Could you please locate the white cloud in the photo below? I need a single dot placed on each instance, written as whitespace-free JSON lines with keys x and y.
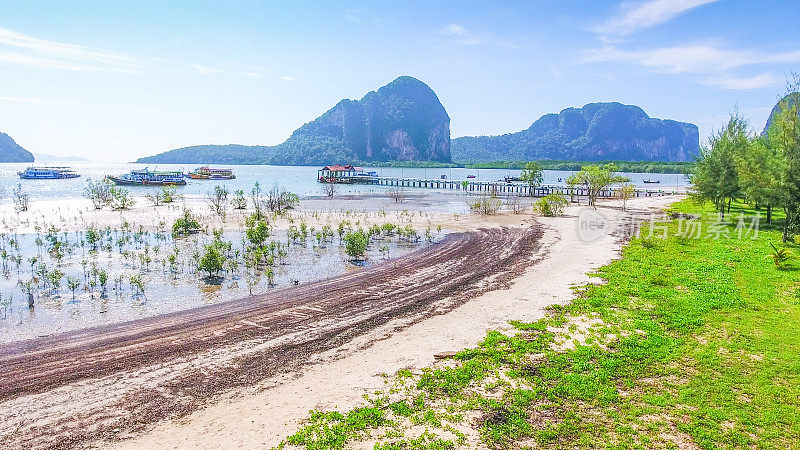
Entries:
{"x":633,"y":17}
{"x":764,"y":80}
{"x":44,"y":54}
{"x":692,"y":58}
{"x":454,"y":29}
{"x":27,"y":51}
{"x":456,"y":34}
{"x":716,"y":63}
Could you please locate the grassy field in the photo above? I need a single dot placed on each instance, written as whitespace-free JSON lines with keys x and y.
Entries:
{"x":692,"y":342}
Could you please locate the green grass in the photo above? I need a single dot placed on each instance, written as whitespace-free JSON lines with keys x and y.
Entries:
{"x":697,"y":342}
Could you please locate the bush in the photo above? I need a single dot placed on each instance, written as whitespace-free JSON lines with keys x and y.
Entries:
{"x":21,"y":199}
{"x":356,"y":244}
{"x":239,"y":201}
{"x":213,"y":259}
{"x":257,"y":231}
{"x":168,"y":194}
{"x":99,"y":192}
{"x":278,"y":200}
{"x":121,"y":199}
{"x":186,"y":224}
{"x":218,"y":200}
{"x":486,"y":205}
{"x":552,"y":205}
{"x":165,"y":195}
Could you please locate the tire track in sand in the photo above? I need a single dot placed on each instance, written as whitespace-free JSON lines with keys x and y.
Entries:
{"x":67,"y":390}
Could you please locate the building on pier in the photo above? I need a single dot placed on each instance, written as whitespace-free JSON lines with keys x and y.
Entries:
{"x":336,"y":173}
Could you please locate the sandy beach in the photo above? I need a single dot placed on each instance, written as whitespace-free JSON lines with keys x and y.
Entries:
{"x":244,"y":373}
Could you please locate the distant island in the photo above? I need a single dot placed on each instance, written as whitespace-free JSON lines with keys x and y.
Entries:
{"x":405,"y":124}
{"x":10,"y":151}
{"x":595,"y":132}
{"x":402,"y":121}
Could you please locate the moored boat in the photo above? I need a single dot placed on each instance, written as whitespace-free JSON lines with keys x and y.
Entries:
{"x":651,"y":181}
{"x":146,"y":177}
{"x":208,"y":173}
{"x":48,"y":173}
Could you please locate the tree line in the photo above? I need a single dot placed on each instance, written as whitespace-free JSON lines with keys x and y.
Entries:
{"x":761,"y":170}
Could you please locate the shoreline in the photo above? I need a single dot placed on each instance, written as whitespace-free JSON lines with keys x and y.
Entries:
{"x":263,"y":415}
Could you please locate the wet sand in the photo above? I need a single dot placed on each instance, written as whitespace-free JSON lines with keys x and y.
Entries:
{"x":72,"y":388}
{"x":244,"y":373}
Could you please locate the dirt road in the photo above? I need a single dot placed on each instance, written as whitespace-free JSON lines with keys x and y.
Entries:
{"x":69,"y":390}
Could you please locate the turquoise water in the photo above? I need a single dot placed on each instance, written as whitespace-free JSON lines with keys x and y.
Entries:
{"x":298,"y":179}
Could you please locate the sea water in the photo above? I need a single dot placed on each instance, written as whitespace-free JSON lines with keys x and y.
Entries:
{"x":301,"y":180}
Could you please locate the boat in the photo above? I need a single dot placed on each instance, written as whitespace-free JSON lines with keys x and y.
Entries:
{"x":48,"y":173}
{"x":651,"y":181}
{"x":470,"y":176}
{"x":207,"y":173}
{"x":146,"y":177}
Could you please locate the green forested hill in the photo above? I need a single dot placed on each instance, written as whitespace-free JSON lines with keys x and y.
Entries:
{"x":597,"y":131}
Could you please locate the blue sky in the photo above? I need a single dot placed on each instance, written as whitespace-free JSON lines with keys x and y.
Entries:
{"x":116,"y":80}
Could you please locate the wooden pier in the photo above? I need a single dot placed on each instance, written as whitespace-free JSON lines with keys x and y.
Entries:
{"x":498,"y":187}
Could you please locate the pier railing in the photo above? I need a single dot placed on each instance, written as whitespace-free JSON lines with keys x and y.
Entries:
{"x":500,"y":187}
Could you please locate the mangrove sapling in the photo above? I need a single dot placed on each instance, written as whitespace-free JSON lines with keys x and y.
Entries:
{"x":5,"y":303}
{"x":218,"y":200}
{"x":155,"y":198}
{"x":21,"y":199}
{"x":397,"y":194}
{"x":329,"y":189}
{"x":121,"y":199}
{"x":99,"y":192}
{"x":485,"y":205}
{"x":258,"y":201}
{"x":515,"y":205}
{"x":320,"y":239}
{"x":73,"y":284}
{"x":257,"y":231}
{"x":54,"y":278}
{"x":280,"y":200}
{"x":214,"y":255}
{"x":168,"y":194}
{"x":303,"y":231}
{"x":239,"y":201}
{"x":118,"y":280}
{"x":137,"y":285}
{"x":388,"y":228}
{"x":356,"y":244}
{"x":186,"y":224}
{"x":102,"y":278}
{"x":28,"y":288}
{"x":551,"y":205}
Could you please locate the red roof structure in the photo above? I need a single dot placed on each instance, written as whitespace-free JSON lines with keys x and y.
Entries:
{"x":338,"y":168}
